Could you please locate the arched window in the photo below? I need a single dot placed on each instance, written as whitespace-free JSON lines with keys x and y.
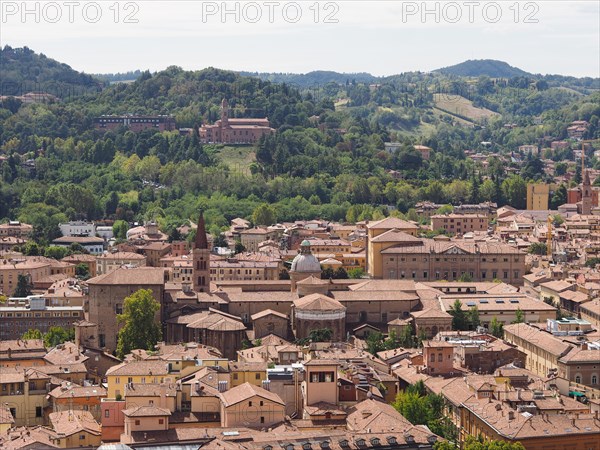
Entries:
{"x":578,"y":379}
{"x":594,"y":379}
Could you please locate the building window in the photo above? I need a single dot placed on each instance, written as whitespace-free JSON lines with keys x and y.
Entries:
{"x":257,"y":376}
{"x":235,"y":376}
{"x":249,"y":403}
{"x":106,"y":413}
{"x":440,"y":357}
{"x":38,"y":411}
{"x":161,"y":421}
{"x":321,"y":377}
{"x":594,"y":379}
{"x":137,"y":422}
{"x":578,"y":379}
{"x":82,"y":437}
{"x":262,"y":419}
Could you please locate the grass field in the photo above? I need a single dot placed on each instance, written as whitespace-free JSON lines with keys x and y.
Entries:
{"x":238,"y":157}
{"x":455,"y":104}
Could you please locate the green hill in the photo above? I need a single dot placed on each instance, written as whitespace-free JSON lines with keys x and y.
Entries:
{"x":22,"y":70}
{"x":478,"y":67}
{"x":312,"y":79}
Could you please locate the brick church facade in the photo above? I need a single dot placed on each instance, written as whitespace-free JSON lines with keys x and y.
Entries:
{"x":234,"y":131}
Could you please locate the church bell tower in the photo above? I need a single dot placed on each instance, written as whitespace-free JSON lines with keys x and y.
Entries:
{"x":201,"y":259}
{"x":224,"y":113}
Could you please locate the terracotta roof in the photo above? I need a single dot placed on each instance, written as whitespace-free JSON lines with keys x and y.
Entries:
{"x":247,"y":366}
{"x":468,"y":247}
{"x":70,"y":390}
{"x":217,"y":321}
{"x":74,"y":421}
{"x":273,"y":339}
{"x":66,"y":353}
{"x":52,"y":369}
{"x":150,"y":389}
{"x":312,"y":280}
{"x":246,"y":391}
{"x":321,"y":362}
{"x":18,"y":345}
{"x":135,"y":276}
{"x":591,"y":306}
{"x":146,"y":411}
{"x":5,"y":416}
{"x":121,"y":255}
{"x":537,"y":337}
{"x":145,"y":367}
{"x":80,"y":257}
{"x":12,"y":374}
{"x":364,"y":295}
{"x":521,"y":426}
{"x":318,"y":302}
{"x":384,"y":285}
{"x":79,"y":239}
{"x":558,"y":286}
{"x":322,"y":408}
{"x":395,"y":235}
{"x":376,"y":416}
{"x":430,"y":313}
{"x":268,"y":312}
{"x":251,"y":231}
{"x":190,"y":350}
{"x":28,"y":437}
{"x":495,"y":302}
{"x":391,"y":222}
{"x":579,"y":355}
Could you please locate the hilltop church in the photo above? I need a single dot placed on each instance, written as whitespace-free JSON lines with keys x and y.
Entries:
{"x":234,"y":131}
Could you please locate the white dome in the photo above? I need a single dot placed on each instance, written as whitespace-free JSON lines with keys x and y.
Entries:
{"x":306,"y":263}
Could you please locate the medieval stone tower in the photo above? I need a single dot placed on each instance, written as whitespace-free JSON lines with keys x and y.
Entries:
{"x":201,"y":259}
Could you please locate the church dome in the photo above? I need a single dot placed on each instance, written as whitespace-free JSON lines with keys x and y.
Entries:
{"x":305,"y":261}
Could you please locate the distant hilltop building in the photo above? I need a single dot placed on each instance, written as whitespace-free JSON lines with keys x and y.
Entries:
{"x":577,"y":129}
{"x":135,"y":123}
{"x":392,"y":147}
{"x":32,"y":97}
{"x":234,"y":131}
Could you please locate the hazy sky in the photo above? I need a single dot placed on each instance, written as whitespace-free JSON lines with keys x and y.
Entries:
{"x":380,"y":37}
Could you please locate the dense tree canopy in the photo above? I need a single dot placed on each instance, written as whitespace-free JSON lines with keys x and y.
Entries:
{"x":139,"y":327}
